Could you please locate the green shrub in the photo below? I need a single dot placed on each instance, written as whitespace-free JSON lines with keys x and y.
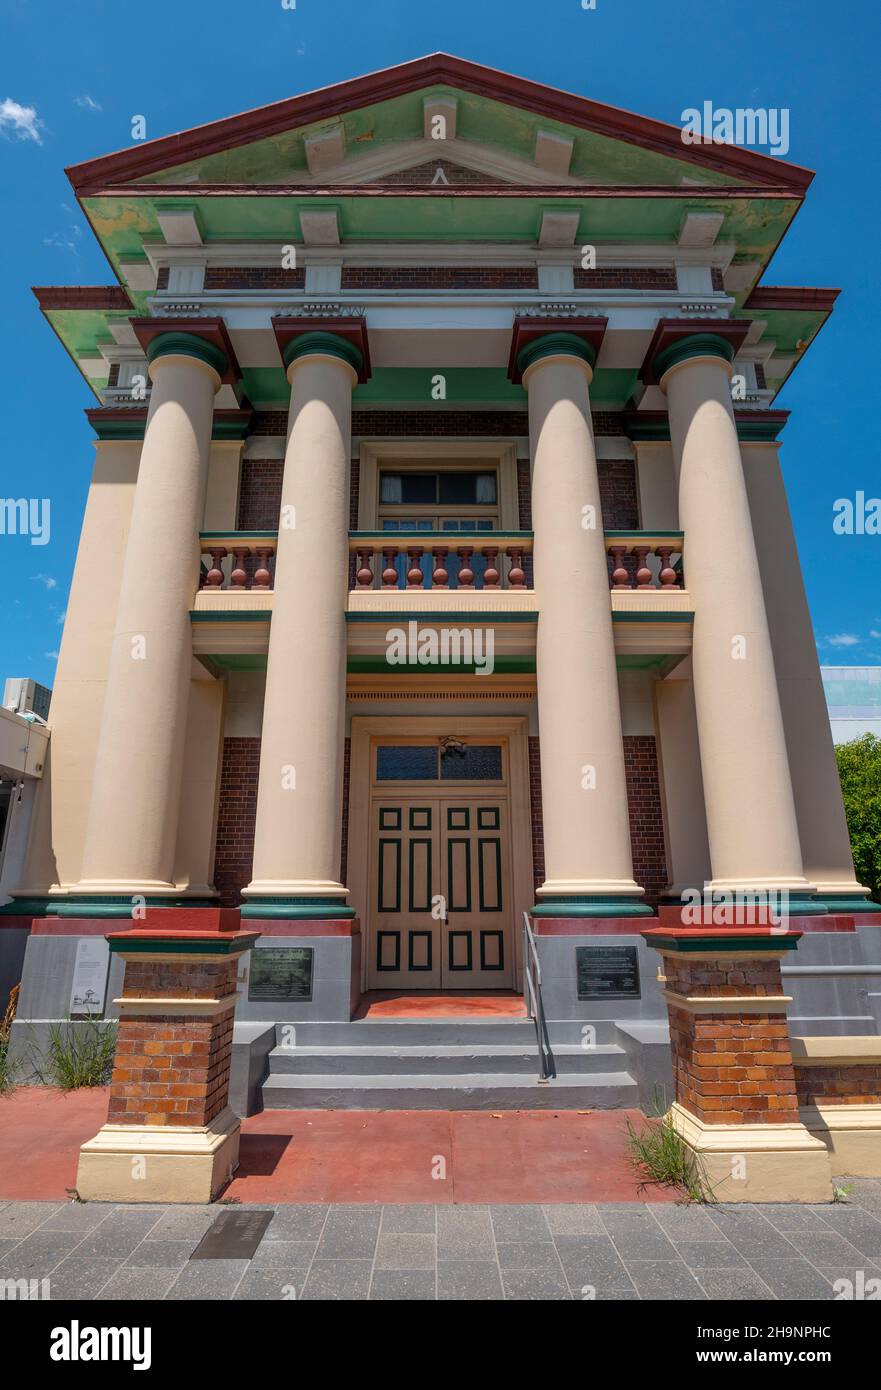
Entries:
{"x":79,"y":1053}
{"x":859,"y":768}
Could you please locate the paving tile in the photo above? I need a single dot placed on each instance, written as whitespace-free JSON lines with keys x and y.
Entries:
{"x":575,"y":1219}
{"x":7,"y":1245}
{"x":857,"y":1226}
{"x":592,"y":1262}
{"x":640,"y":1242}
{"x":119,"y":1234}
{"x":78,"y":1216}
{"x":350,"y":1233}
{"x":792,"y":1216}
{"x":272,"y":1283}
{"x":519,"y":1223}
{"x":290,"y":1254}
{"x":406,"y":1252}
{"x":753,"y":1235}
{"x":730,"y":1285}
{"x":409,"y":1220}
{"x":471,"y":1281}
{"x":528,"y":1254}
{"x":826,"y":1248}
{"x":664,"y":1279}
{"x":173,"y":1254}
{"x":465,"y":1233}
{"x":866,"y":1193}
{"x":535,"y":1285}
{"x":403,"y":1286}
{"x":76,"y":1278}
{"x":208,"y":1279}
{"x":793,"y":1278}
{"x":857,"y":1281}
{"x":710,"y":1254}
{"x":38,"y":1254}
{"x":20,"y":1219}
{"x":681,"y":1222}
{"x":297,"y":1223}
{"x":134,"y":1283}
{"x":338,"y":1279}
{"x":183,"y":1223}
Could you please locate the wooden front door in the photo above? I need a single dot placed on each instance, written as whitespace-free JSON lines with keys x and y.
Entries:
{"x":440,"y":881}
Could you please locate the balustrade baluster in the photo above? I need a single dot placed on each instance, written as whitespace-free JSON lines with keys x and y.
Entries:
{"x":390,"y":574}
{"x":261,"y":573}
{"x":667,"y":575}
{"x":516,"y":576}
{"x":490,"y":574}
{"x":620,"y":576}
{"x":214,"y":577}
{"x":440,"y":578}
{"x":415,"y":576}
{"x":643,"y":573}
{"x":364,"y":575}
{"x":238,"y":578}
{"x":466,"y":573}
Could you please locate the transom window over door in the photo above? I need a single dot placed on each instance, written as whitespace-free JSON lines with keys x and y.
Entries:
{"x":453,"y":500}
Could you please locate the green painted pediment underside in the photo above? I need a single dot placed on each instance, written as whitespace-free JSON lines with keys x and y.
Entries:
{"x":495,"y":125}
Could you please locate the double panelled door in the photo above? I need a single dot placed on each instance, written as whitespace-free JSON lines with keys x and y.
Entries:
{"x":441,"y":908}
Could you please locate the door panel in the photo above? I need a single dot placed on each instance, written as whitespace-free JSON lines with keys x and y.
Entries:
{"x":405,"y":941}
{"x":477,"y":936}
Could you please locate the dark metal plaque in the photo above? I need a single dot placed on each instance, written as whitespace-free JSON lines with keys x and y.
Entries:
{"x":607,"y":972}
{"x":235,"y":1235}
{"x":281,"y":973}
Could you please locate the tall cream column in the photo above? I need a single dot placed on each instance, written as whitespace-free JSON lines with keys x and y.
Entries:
{"x":584,"y":797}
{"x":751,"y":821}
{"x":299,"y":798}
{"x":133,"y":815}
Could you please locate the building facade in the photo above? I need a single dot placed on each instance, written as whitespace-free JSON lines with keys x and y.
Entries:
{"x":437,"y":569}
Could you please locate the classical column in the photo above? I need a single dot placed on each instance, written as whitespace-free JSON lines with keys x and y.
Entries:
{"x":584,"y":798}
{"x":133,"y":815}
{"x":751,"y":820}
{"x":299,"y":799}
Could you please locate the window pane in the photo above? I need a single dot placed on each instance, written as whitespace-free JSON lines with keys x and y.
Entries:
{"x":390,"y":488}
{"x":407,"y":763}
{"x":486,"y":489}
{"x":457,"y":489}
{"x":476,"y":762}
{"x":419,"y":489}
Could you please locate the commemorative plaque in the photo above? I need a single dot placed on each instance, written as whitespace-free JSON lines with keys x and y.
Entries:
{"x":607,"y":972}
{"x":89,"y":986}
{"x":282,"y":973}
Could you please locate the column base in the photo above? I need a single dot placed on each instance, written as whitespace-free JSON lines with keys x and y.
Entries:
{"x":612,"y":905}
{"x":179,"y":1163}
{"x":286,"y":908}
{"x":849,"y":902}
{"x":782,"y":1162}
{"x":851,"y":1134}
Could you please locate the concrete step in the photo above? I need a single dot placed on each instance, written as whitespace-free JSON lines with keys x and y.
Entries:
{"x":441,"y":1059}
{"x":435,"y":1032}
{"x":462,"y":1091}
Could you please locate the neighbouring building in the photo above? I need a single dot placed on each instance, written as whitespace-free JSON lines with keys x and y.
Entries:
{"x":437,"y":569}
{"x":853,"y":697}
{"x":24,"y":742}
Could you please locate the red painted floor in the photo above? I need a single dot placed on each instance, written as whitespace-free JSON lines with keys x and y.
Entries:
{"x":451,"y":1004}
{"x":356,"y":1155}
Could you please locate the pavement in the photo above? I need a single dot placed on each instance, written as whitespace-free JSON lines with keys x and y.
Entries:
{"x":419,"y":1252}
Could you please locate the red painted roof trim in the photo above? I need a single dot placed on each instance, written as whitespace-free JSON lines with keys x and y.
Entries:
{"x":82,"y":297}
{"x":435,"y":68}
{"x":792,"y":297}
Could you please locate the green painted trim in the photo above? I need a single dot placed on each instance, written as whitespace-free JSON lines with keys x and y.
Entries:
{"x":555,"y":345}
{"x":119,"y":429}
{"x":248,"y":615}
{"x":589,"y":906}
{"x":434,"y":615}
{"x":239,"y":535}
{"x":744,"y":943}
{"x":380,"y":876}
{"x":299,"y":909}
{"x":495,"y":843}
{"x":758,"y":431}
{"x":188,"y":345}
{"x":148,"y":946}
{"x":695,"y":345}
{"x":452,"y":538}
{"x":230,"y":429}
{"x":330,"y":344}
{"x":637,"y":535}
{"x":684,"y":617}
{"x":839,"y":902}
{"x":113,"y":906}
{"x":806,"y":907}
{"x":411,"y":846}
{"x":451,"y":841}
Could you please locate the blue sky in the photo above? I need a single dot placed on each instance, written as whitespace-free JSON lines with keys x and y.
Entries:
{"x":85,"y":69}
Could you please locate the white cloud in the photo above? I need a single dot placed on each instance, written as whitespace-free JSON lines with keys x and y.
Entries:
{"x":874,"y":633}
{"x":47,"y":580}
{"x":88,"y":103}
{"x":51,"y":656}
{"x":20,"y":121}
{"x":844,"y":639}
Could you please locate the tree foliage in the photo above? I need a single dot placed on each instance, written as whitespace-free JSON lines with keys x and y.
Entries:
{"x":859,"y":767}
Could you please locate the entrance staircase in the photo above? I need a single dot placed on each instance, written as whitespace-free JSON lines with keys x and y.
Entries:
{"x":441,"y":1063}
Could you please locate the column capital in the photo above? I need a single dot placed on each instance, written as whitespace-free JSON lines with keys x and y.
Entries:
{"x":345,"y":338}
{"x":207,"y":340}
{"x":676,"y":340}
{"x":535,"y":337}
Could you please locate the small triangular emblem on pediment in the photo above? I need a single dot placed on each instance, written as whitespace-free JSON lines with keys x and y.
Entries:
{"x":437,"y":171}
{"x":440,"y":176}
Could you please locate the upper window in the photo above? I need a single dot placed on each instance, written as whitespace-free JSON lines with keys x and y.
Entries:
{"x":454,"y":489}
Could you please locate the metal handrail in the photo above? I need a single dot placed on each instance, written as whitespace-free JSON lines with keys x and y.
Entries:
{"x":547,"y":1067}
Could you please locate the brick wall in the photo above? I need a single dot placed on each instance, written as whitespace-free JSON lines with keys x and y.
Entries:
{"x":731,"y":1068}
{"x":405,"y":424}
{"x":618,"y":494}
{"x":538,"y":844}
{"x":236,"y":816}
{"x":253,"y":277}
{"x":646,"y":818}
{"x":260,"y":494}
{"x":425,"y":174}
{"x":850,"y":1084}
{"x":441,"y":277}
{"x":626,"y":278}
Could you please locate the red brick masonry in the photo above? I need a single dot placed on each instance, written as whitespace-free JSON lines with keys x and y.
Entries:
{"x":173,"y":1069}
{"x":731,"y":1068}
{"x":853,"y":1083}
